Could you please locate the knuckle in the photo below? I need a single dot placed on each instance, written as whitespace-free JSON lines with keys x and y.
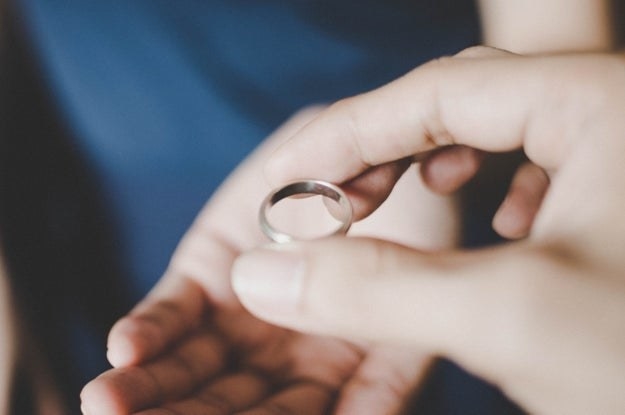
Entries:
{"x":439,"y":63}
{"x":574,"y":95}
{"x":350,"y":123}
{"x":159,"y":313}
{"x":308,"y":113}
{"x":477,"y":51}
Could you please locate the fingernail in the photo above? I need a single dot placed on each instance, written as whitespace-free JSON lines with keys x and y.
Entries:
{"x":269,"y":280}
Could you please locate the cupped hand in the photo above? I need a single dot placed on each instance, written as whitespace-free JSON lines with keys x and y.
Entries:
{"x":190,"y":348}
{"x":543,"y":317}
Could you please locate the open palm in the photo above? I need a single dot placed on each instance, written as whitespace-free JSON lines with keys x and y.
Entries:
{"x":190,"y":348}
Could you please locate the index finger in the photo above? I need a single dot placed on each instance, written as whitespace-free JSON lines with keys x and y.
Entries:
{"x":485,"y":103}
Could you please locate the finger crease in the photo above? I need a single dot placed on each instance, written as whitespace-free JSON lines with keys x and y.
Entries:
{"x":356,"y":137}
{"x":216,"y":401}
{"x":172,"y":411}
{"x":185,"y":365}
{"x":160,"y":391}
{"x":276,"y":408}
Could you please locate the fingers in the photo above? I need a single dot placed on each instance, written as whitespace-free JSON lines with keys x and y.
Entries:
{"x":369,"y":190}
{"x":383,"y":381}
{"x":248,"y":394}
{"x":463,"y":306}
{"x":446,"y":170}
{"x":174,"y":307}
{"x":306,"y":398}
{"x":224,"y":396}
{"x":475,"y":52}
{"x":516,"y":214}
{"x":447,"y":101}
{"x":129,"y":389}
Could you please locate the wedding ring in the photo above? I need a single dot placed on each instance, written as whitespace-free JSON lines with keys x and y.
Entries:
{"x":305,"y":187}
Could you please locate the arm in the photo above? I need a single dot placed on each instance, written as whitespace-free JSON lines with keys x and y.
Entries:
{"x":534,"y":26}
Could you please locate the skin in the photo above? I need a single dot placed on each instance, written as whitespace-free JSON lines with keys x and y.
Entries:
{"x":193,"y":317}
{"x":542,"y":317}
{"x":190,"y":346}
{"x":528,"y":26}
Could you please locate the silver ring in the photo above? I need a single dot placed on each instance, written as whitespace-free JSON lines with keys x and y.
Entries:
{"x":312,"y":187}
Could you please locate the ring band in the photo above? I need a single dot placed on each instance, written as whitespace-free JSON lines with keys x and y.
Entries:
{"x":313,"y":187}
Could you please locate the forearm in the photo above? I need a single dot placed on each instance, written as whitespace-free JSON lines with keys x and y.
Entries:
{"x":534,"y":26}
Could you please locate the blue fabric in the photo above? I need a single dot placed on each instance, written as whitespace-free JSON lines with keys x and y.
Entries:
{"x":165,"y":98}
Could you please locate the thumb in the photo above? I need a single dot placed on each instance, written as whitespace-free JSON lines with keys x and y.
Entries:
{"x":459,"y":305}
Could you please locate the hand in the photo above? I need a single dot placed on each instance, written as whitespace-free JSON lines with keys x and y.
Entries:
{"x":543,"y":318}
{"x":190,"y":347}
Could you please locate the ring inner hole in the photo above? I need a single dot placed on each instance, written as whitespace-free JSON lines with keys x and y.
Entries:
{"x":304,"y":215}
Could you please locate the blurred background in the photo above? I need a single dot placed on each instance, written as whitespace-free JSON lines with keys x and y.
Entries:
{"x":120,"y":118}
